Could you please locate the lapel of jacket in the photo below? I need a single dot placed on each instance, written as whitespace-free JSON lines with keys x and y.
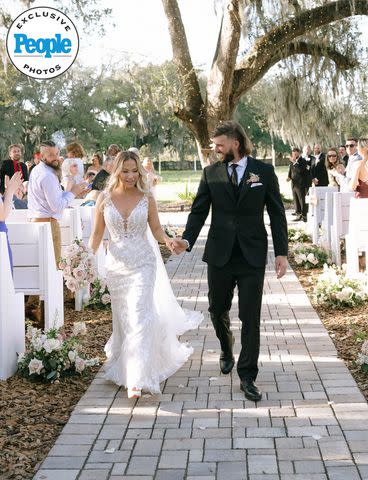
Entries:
{"x":251,"y":168}
{"x":224,"y":178}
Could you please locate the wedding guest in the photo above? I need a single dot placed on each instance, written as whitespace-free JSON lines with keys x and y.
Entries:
{"x":344,"y":179}
{"x":46,"y":200}
{"x":307,"y":155}
{"x":237,"y":190}
{"x":6,"y":205}
{"x":334,"y":167}
{"x":13,"y":165}
{"x":151,"y":176}
{"x":134,"y":150}
{"x":101,"y":178}
{"x":318,"y":167}
{"x":143,"y":349}
{"x":76,"y":152}
{"x":36,"y":160}
{"x":112,"y":151}
{"x":70,"y":173}
{"x":359,"y":182}
{"x":96,"y":163}
{"x":300,"y":179}
{"x":343,"y":156}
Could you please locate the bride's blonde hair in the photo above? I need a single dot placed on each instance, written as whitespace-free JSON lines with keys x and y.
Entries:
{"x":118,"y":165}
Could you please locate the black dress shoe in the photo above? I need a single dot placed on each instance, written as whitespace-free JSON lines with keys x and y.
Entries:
{"x":250,"y":390}
{"x":226,"y":363}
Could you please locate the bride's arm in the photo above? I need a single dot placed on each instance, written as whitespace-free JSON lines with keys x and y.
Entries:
{"x":155,"y":226}
{"x":98,"y":226}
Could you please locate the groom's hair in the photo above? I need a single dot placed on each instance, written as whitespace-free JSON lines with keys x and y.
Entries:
{"x":234,"y":130}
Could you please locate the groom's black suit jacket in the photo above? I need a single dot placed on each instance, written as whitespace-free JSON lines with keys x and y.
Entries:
{"x":238,"y":216}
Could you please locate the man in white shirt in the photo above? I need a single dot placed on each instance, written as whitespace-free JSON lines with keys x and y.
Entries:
{"x":345,"y":176}
{"x":46,"y":199}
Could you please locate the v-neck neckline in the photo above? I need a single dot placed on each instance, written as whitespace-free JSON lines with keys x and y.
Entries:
{"x":125,"y":219}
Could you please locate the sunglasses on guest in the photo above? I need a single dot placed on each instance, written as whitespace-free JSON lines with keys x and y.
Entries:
{"x":350,"y":145}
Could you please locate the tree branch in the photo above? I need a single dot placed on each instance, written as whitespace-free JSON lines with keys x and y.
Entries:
{"x":181,"y":56}
{"x":263,"y":55}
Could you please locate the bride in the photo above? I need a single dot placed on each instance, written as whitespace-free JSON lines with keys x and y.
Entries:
{"x":143,"y":349}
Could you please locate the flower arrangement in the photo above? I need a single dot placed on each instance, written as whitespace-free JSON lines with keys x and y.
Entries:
{"x":298,"y":235}
{"x":51,"y":355}
{"x":100,"y":296}
{"x":310,"y":256}
{"x":362,"y":359}
{"x":78,"y":266}
{"x":336,"y":290}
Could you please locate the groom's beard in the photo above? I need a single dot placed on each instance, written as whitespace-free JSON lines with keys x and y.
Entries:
{"x":228,"y":157}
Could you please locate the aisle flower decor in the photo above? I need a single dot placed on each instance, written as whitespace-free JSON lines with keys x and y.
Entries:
{"x":362,"y":359}
{"x":335,"y":289}
{"x":52,"y":355}
{"x":297,"y":235}
{"x":99,"y":295}
{"x":79,"y":270}
{"x":310,"y":256}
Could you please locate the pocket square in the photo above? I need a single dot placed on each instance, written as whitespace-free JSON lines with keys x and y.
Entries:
{"x":258,"y":184}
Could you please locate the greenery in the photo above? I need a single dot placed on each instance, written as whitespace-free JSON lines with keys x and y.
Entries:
{"x":335,"y":289}
{"x":298,"y":235}
{"x":310,"y":256}
{"x":51,"y":355}
{"x":188,"y":194}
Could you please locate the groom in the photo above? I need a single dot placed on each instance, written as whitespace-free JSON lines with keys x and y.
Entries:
{"x":237,"y":189}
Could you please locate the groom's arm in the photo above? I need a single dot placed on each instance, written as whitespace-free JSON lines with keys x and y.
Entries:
{"x":199,"y":212}
{"x":276,"y":212}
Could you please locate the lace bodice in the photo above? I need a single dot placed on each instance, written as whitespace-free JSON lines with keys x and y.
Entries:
{"x":132,"y":226}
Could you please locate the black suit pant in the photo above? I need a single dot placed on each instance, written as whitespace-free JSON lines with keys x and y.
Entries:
{"x":299,"y":194}
{"x":221,"y":283}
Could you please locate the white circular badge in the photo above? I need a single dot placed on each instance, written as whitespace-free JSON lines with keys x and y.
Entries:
{"x":42,"y":42}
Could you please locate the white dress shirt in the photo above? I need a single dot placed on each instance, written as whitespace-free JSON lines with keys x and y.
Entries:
{"x":344,"y":180}
{"x":242,"y":165}
{"x":45,"y":196}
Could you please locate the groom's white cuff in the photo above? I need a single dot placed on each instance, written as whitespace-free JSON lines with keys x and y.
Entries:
{"x":188,"y":244}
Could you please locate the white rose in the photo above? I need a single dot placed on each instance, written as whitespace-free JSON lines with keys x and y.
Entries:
{"x":72,"y":355}
{"x":35,"y":366}
{"x":347,"y":292}
{"x":303,"y":257}
{"x":310,"y":257}
{"x":79,"y":328}
{"x":105,"y":299}
{"x":80,"y":364}
{"x":298,"y":259}
{"x":51,"y":344}
{"x":71,"y":284}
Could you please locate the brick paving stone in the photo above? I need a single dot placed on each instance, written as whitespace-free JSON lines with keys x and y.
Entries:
{"x":312,"y":423}
{"x":142,"y":465}
{"x":56,"y":475}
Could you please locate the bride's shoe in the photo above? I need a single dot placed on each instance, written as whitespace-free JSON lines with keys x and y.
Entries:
{"x":134,"y":392}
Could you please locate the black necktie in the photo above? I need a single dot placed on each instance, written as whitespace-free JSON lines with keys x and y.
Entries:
{"x":234,"y":176}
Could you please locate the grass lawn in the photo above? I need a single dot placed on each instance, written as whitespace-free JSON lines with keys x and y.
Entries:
{"x":176,"y":181}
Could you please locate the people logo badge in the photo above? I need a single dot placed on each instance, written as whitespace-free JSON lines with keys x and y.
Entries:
{"x":42,"y":43}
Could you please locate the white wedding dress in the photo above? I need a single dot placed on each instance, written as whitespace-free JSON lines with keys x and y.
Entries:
{"x":143,"y":349}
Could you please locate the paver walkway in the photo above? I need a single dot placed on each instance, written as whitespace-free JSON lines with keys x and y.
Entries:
{"x":311,"y":425}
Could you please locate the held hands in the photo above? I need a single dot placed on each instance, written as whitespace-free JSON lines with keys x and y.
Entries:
{"x":79,"y":189}
{"x":280,"y":265}
{"x":179,"y":245}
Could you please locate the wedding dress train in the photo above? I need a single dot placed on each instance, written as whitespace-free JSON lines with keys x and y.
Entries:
{"x":143,"y":349}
